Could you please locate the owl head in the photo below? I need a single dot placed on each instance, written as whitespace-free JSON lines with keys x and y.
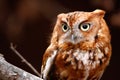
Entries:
{"x":78,"y":26}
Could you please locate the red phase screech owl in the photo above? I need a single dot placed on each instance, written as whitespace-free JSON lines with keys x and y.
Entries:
{"x":80,"y":47}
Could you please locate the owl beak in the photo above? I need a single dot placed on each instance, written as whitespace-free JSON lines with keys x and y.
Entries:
{"x":73,"y":38}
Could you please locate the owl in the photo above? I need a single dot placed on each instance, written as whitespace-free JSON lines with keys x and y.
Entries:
{"x":80,"y":47}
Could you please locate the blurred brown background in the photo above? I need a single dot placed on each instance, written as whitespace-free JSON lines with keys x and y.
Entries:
{"x":29,"y":23}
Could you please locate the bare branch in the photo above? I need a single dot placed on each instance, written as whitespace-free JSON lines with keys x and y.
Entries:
{"x":11,"y":72}
{"x":23,"y":59}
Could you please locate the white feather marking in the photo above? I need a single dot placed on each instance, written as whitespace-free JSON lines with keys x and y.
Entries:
{"x":82,"y":55}
{"x":86,"y":57}
{"x":49,"y":64}
{"x":100,"y":54}
{"x":106,"y":50}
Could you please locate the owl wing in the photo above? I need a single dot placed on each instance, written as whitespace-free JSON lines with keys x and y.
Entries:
{"x":97,"y":76}
{"x":48,"y":60}
{"x":100,"y":75}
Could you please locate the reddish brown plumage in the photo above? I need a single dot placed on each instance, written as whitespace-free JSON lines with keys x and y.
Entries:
{"x":77,"y":53}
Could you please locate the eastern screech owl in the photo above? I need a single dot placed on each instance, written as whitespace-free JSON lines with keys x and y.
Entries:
{"x":80,"y":47}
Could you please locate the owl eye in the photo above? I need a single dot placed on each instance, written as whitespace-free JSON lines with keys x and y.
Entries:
{"x":65,"y":27}
{"x":84,"y":26}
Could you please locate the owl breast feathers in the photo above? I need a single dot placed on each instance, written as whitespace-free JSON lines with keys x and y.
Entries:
{"x":80,"y":47}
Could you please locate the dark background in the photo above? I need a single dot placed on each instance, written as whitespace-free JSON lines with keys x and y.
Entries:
{"x":29,"y":23}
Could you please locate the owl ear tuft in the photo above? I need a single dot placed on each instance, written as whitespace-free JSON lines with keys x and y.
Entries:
{"x":60,"y":15}
{"x":99,"y":12}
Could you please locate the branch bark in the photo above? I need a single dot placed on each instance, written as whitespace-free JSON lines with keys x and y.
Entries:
{"x":11,"y":72}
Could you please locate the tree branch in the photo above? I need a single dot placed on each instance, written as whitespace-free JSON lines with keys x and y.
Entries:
{"x":11,"y":72}
{"x":23,"y":59}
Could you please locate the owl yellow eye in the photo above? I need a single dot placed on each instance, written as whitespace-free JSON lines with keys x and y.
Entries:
{"x":65,"y":27}
{"x":84,"y":26}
